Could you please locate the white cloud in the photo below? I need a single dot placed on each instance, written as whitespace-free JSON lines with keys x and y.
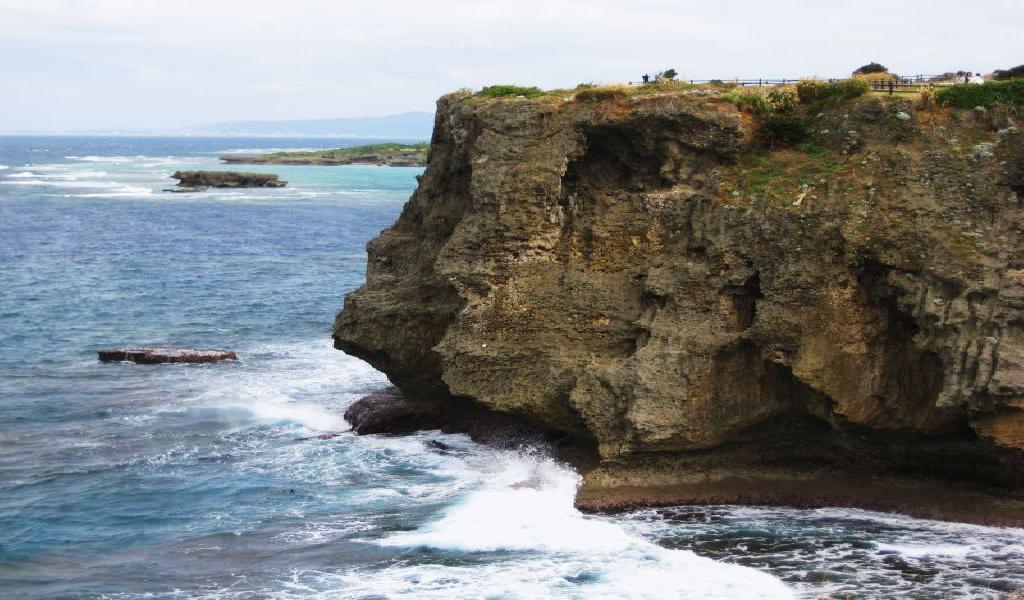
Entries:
{"x":148,"y":63}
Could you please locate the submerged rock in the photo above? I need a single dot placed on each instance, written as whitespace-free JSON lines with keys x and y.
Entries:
{"x":637,"y":271}
{"x":185,"y":189}
{"x":154,"y":356}
{"x":226,"y":179}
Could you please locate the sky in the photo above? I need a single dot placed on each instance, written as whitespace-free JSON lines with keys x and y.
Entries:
{"x":162,"y":64}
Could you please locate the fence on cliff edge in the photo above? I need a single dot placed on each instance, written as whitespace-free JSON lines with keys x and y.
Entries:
{"x":909,"y":83}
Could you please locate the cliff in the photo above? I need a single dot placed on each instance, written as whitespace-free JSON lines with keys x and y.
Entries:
{"x":837,"y":322}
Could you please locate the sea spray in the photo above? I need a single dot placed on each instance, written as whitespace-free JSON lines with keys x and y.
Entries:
{"x":522,"y":514}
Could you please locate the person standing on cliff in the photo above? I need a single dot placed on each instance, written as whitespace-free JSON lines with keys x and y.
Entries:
{"x":646,"y":78}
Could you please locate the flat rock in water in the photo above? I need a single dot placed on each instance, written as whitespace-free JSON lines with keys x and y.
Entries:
{"x":226,"y":179}
{"x":185,"y":190}
{"x":156,"y":356}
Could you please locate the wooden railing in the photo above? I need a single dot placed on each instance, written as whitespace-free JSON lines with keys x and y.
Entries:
{"x":911,"y":83}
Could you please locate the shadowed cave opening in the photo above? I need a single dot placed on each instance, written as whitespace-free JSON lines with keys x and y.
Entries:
{"x":647,"y":153}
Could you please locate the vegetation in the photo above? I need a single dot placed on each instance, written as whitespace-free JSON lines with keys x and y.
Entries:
{"x":782,"y":101}
{"x":871,"y":67}
{"x":780,"y":123}
{"x":506,"y":91}
{"x":749,"y":102}
{"x":783,"y":130}
{"x":1011,"y":73}
{"x":380,"y":154}
{"x":670,"y":74}
{"x":607,"y":92}
{"x":782,"y":176}
{"x":983,"y":94}
{"x":830,"y":93}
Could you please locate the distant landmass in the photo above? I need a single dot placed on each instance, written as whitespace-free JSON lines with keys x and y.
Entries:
{"x":391,"y":155}
{"x":407,"y":125}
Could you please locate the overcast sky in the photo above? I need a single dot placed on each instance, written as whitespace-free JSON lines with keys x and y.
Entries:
{"x":164,"y":64}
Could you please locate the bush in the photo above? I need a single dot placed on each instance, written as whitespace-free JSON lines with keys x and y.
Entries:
{"x":783,"y":130}
{"x":871,"y":67}
{"x":670,"y":74}
{"x":748,"y":102}
{"x":504,"y":91}
{"x":926,"y":99}
{"x":601,"y":93}
{"x":825,"y":93}
{"x":782,"y":100}
{"x":1011,"y":73}
{"x":983,"y":94}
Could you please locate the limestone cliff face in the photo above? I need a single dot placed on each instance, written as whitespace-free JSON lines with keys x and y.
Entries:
{"x":636,"y":272}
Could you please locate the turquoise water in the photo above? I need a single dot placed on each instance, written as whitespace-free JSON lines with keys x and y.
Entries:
{"x":176,"y":481}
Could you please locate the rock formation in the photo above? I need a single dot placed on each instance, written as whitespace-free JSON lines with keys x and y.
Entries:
{"x":156,"y":356}
{"x":195,"y":180}
{"x":722,"y":321}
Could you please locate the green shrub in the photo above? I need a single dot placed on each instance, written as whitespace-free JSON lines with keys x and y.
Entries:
{"x":783,"y":130}
{"x":755,"y":104}
{"x":504,"y":91}
{"x":983,"y":94}
{"x":670,"y":74}
{"x":601,"y":93}
{"x":782,"y":100}
{"x":829,"y":93}
{"x":871,"y":67}
{"x":1011,"y":73}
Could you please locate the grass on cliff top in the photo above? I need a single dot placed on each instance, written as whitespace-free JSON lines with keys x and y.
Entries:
{"x":585,"y":92}
{"x":387,"y":149}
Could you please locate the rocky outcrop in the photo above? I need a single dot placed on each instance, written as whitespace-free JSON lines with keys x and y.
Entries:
{"x":156,"y":356}
{"x":226,"y":179}
{"x":391,"y":412}
{"x":387,"y":411}
{"x":639,"y":273}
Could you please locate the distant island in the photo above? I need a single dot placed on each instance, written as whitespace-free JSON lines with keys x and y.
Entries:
{"x":392,"y":155}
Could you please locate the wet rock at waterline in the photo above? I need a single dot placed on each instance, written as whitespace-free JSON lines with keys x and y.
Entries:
{"x":185,"y":189}
{"x":156,"y":356}
{"x":387,"y":411}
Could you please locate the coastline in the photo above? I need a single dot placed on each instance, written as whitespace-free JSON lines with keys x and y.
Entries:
{"x":609,"y":487}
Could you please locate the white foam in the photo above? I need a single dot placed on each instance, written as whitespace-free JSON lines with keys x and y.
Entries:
{"x":4,"y":167}
{"x":66,"y":183}
{"x":108,"y":159}
{"x":282,"y":394}
{"x":75,"y":175}
{"x":525,"y":505}
{"x":922,"y":550}
{"x":118,"y":191}
{"x":22,"y":174}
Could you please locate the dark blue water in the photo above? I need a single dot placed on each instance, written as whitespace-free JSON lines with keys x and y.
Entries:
{"x":129,"y":481}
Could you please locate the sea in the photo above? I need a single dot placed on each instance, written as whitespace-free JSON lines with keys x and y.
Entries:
{"x":210,"y":481}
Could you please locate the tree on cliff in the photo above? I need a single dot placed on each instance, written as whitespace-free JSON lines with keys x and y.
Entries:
{"x":871,"y":67}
